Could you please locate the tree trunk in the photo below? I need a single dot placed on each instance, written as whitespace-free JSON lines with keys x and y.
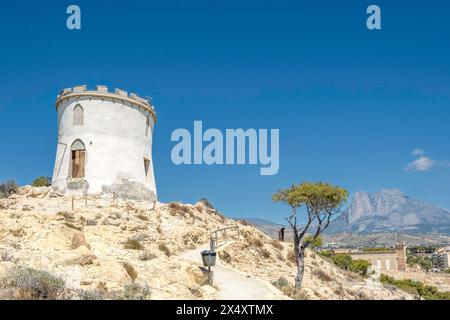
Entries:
{"x":299,"y":251}
{"x":300,"y":267}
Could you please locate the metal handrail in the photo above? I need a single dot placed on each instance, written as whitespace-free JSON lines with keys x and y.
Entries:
{"x":214,"y":237}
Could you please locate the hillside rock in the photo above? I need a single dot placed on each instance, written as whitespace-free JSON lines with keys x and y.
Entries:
{"x":40,"y":238}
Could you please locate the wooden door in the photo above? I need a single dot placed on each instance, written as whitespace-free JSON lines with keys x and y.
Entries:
{"x":78,"y":163}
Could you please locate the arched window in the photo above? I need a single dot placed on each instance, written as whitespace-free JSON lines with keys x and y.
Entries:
{"x":78,"y":159}
{"x":147,"y":127}
{"x":78,"y":115}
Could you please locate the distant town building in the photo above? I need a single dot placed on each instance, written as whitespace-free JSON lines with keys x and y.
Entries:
{"x":381,"y":260}
{"x":441,"y":260}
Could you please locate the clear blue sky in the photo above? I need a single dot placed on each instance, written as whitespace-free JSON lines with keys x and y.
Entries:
{"x":351,"y":104}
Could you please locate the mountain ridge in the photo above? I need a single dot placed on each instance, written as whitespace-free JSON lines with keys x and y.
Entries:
{"x":390,"y":210}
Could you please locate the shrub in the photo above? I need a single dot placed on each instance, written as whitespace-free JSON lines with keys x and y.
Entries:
{"x":195,"y":292}
{"x":416,"y":287}
{"x":325,"y":253}
{"x":360,"y":266}
{"x":280,"y":283}
{"x":142,"y":217}
{"x":8,"y":188}
{"x":42,"y":182}
{"x":206,"y":203}
{"x":72,"y":226}
{"x":34,"y":284}
{"x":133,"y":244}
{"x":343,"y":261}
{"x":313,"y":244}
{"x":135,"y":291}
{"x":378,"y":249}
{"x":164,"y":249}
{"x":276,"y":244}
{"x":322,"y":275}
{"x":174,"y":206}
{"x":288,"y":289}
{"x":265,"y":253}
{"x":225,"y":256}
{"x":291,"y":256}
{"x":147,"y":256}
{"x":244,"y":222}
{"x":425,"y":263}
{"x":254,"y":241}
{"x":66,"y":215}
{"x":94,"y":295}
{"x":5,"y":256}
{"x":130,"y":270}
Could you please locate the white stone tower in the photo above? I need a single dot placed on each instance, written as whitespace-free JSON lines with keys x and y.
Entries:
{"x":104,"y":143}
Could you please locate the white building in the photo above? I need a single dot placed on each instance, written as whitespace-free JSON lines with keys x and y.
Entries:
{"x":104,"y":143}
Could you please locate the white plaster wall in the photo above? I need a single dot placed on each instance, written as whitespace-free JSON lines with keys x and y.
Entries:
{"x":114,"y":134}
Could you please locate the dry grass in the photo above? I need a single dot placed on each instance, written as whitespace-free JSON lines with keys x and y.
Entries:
{"x":17,"y":232}
{"x":244,"y":223}
{"x":142,"y":217}
{"x":225,"y":256}
{"x":254,"y":242}
{"x":322,"y":275}
{"x":130,"y":270}
{"x":72,"y":226}
{"x":31,"y":284}
{"x":66,"y":215}
{"x":276,"y":244}
{"x":288,"y":289}
{"x":265,"y":253}
{"x":147,"y":256}
{"x":164,"y":249}
{"x":291,"y":256}
{"x":135,"y":291}
{"x":196,"y":292}
{"x":133,"y":244}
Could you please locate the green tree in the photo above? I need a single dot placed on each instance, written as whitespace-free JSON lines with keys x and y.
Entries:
{"x":343,"y":261}
{"x":360,"y":266}
{"x":313,"y":243}
{"x":42,"y":182}
{"x":322,"y":201}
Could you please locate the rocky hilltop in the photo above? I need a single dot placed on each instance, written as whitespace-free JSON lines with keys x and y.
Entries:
{"x":108,"y":248}
{"x":391,"y":211}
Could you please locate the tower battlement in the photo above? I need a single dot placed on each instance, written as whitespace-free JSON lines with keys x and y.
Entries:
{"x":102,"y":92}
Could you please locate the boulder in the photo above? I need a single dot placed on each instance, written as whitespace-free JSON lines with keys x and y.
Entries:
{"x":198,"y":275}
{"x":24,"y":190}
{"x":40,"y":192}
{"x":80,"y":256}
{"x":79,"y":240}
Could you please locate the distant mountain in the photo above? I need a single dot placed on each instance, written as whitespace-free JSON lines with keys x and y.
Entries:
{"x":391,"y":211}
{"x":268,"y":227}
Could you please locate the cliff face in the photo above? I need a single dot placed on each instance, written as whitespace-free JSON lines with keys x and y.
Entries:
{"x":391,"y":211}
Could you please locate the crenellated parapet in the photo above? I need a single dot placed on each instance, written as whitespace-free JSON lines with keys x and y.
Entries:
{"x":102,"y":92}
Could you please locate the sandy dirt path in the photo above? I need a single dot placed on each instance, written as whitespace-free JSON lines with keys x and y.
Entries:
{"x":233,"y":284}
